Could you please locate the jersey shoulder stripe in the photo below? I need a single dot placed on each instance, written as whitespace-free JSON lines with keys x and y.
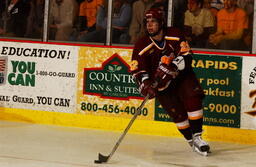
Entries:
{"x":172,"y":38}
{"x":146,"y":49}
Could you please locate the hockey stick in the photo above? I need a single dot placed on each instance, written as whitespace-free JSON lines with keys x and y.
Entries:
{"x":105,"y":159}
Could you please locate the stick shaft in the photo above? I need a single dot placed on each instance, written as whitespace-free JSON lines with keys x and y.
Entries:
{"x":128,"y":126}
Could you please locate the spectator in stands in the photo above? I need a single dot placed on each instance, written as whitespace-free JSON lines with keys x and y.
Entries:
{"x":61,"y":18}
{"x":120,"y":21}
{"x":18,"y":11}
{"x":35,"y":19}
{"x":213,"y":5}
{"x":248,"y":6}
{"x":231,"y":23}
{"x":198,"y":24}
{"x":120,"y":24}
{"x":217,"y":4}
{"x":179,"y":9}
{"x":86,"y":20}
{"x":164,"y":4}
{"x":88,"y":9}
{"x":136,"y":29}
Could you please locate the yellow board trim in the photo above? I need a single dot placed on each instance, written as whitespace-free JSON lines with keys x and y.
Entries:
{"x":211,"y":133}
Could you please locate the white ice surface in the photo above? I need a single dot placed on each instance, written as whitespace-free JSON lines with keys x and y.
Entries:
{"x":33,"y":145}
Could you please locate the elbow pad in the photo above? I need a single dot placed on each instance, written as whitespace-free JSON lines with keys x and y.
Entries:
{"x":179,"y":62}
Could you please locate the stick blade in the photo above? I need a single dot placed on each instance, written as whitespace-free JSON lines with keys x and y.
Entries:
{"x":102,"y":159}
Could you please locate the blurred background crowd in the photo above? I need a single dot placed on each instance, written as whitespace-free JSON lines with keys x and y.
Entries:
{"x":211,"y":24}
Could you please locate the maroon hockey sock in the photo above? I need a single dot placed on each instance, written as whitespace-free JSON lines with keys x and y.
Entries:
{"x":186,"y":133}
{"x":196,"y":125}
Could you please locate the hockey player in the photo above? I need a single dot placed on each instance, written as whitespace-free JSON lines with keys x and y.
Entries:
{"x":163,"y":56}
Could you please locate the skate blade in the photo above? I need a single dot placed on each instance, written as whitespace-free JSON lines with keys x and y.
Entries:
{"x":202,"y":153}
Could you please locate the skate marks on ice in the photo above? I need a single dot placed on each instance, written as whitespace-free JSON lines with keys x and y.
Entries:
{"x":21,"y":160}
{"x":166,"y":151}
{"x":223,"y":154}
{"x":32,"y":145}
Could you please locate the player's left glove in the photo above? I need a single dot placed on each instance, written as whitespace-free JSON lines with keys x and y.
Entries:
{"x":165,"y":74}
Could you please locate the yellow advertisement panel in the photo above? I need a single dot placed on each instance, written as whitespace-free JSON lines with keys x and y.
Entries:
{"x":105,"y":85}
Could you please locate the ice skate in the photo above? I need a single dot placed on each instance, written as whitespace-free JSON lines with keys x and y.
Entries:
{"x":190,"y":142}
{"x":200,"y":146}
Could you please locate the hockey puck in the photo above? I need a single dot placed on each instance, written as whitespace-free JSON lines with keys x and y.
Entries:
{"x":97,"y":162}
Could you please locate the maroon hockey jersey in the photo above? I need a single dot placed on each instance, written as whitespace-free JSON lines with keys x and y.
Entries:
{"x":148,"y":54}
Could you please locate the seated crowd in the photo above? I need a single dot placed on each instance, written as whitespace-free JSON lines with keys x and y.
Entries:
{"x":216,"y":24}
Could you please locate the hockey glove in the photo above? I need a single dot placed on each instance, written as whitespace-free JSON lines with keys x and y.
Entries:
{"x":166,"y":71}
{"x":147,"y":88}
{"x":165,"y":74}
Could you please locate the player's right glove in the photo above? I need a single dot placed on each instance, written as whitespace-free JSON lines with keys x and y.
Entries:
{"x":147,"y":88}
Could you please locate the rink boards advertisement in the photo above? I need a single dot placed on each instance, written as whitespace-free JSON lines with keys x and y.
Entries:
{"x":37,"y":76}
{"x":222,"y":90}
{"x":93,"y":80}
{"x":105,"y":86}
{"x":248,"y":106}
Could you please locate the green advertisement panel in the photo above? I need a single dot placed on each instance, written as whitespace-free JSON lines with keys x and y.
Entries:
{"x":220,"y":77}
{"x":160,"y":114}
{"x":112,"y":80}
